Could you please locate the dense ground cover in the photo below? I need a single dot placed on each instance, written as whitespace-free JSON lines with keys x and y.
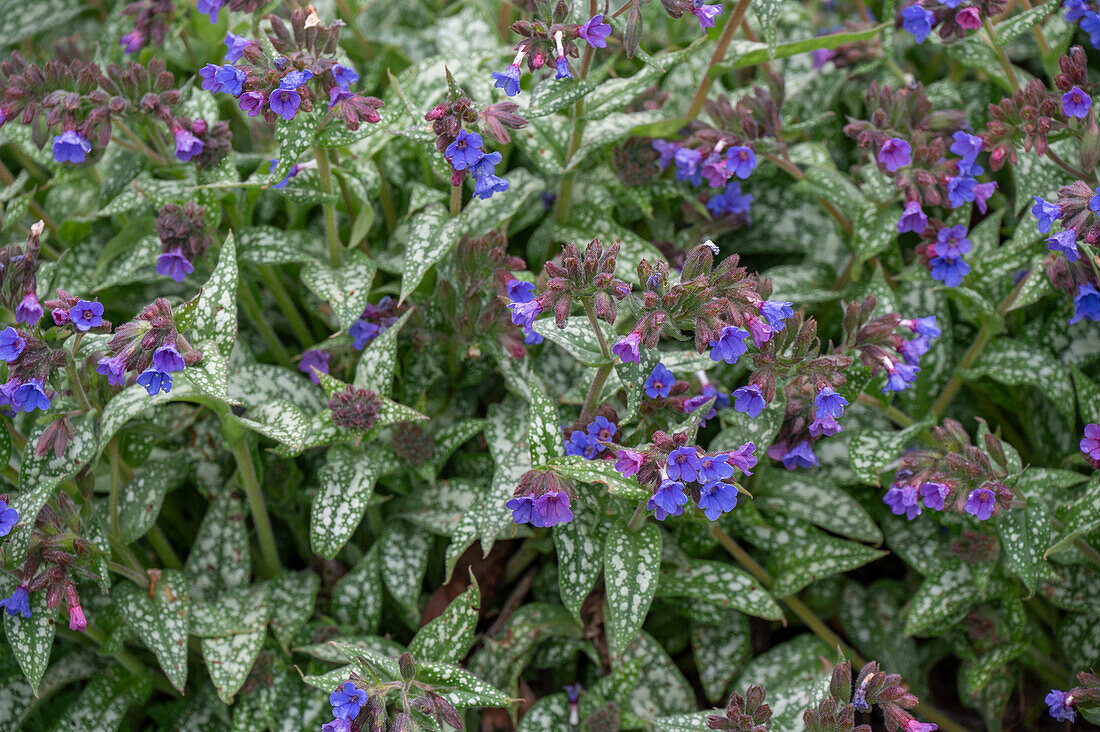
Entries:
{"x":664,"y":366}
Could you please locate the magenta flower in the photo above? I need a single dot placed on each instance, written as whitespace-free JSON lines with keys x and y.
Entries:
{"x":595,"y":32}
{"x":969,"y":18}
{"x":894,"y":154}
{"x":706,"y":13}
{"x":627,"y":348}
{"x":628,"y":462}
{"x":187,"y":145}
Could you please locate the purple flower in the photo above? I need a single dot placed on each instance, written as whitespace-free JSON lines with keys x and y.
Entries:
{"x":740,"y":160}
{"x":168,"y":359}
{"x":465,"y":151}
{"x":980,"y":502}
{"x":9,"y":517}
{"x":731,"y":200}
{"x":231,"y":79}
{"x":486,"y":185}
{"x":912,"y":725}
{"x":114,"y":368}
{"x":19,"y":602}
{"x":951,"y":242}
{"x":28,"y":311}
{"x":522,"y":508}
{"x":913,"y":349}
{"x":902,"y":499}
{"x":208,"y":75}
{"x":912,"y":218}
{"x":235,"y":46}
{"x":29,"y":396}
{"x":716,"y":498}
{"x":776,"y":313}
{"x":11,"y":344}
{"x":210,"y":8}
{"x":966,"y":146}
{"x":917,"y":21}
{"x":687,"y":165}
{"x":982,"y":193}
{"x":934,"y":494}
{"x":628,"y":462}
{"x":347,"y":701}
{"x":1061,"y":706}
{"x":336,"y":725}
{"x":187,"y":145}
{"x":730,"y":345}
{"x":961,"y":189}
{"x":925,"y":326}
{"x":721,"y":399}
{"x":524,"y":313}
{"x":667,"y":150}
{"x":1047,"y":213}
{"x":551,"y":508}
{"x":627,"y":348}
{"x":715,"y":467}
{"x":174,"y":264}
{"x":749,"y":399}
{"x":899,"y":376}
{"x":580,"y":443}
{"x":895,"y":153}
{"x":562,"y":68}
{"x":132,"y":41}
{"x":1076,"y":103}
{"x":949,"y":271}
{"x":825,"y":426}
{"x":155,"y":381}
{"x":683,"y":464}
{"x":660,"y":382}
{"x":337,"y":95}
{"x":508,"y":80}
{"x":761,"y":331}
{"x":1075,"y":10}
{"x":344,"y":76}
{"x":252,"y":102}
{"x":1064,"y":241}
{"x":601,"y":430}
{"x":829,"y":402}
{"x":1090,"y":24}
{"x":714,"y":170}
{"x":595,"y":32}
{"x":293,"y":171}
{"x":363,"y":332}
{"x":668,"y":500}
{"x":285,"y":103}
{"x":1090,"y":443}
{"x":71,"y":147}
{"x":706,"y":13}
{"x":743,"y":457}
{"x":295,"y":79}
{"x":520,"y":290}
{"x":86,"y":315}
{"x":800,"y":456}
{"x":1086,"y":304}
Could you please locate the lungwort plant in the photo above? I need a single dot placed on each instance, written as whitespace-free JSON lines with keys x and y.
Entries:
{"x":549,"y":366}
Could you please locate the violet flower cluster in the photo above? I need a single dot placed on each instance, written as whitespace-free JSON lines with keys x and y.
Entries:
{"x":556,"y":40}
{"x":465,"y":150}
{"x":954,"y":18}
{"x":151,"y":347}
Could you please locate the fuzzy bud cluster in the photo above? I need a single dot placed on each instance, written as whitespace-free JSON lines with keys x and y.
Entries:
{"x":747,"y":713}
{"x":354,"y":409}
{"x":584,"y":277}
{"x":151,"y":24}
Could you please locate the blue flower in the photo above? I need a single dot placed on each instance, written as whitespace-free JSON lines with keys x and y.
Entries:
{"x":71,"y":147}
{"x":706,"y":13}
{"x":187,"y":145}
{"x":825,"y":426}
{"x":902,"y":500}
{"x":465,"y":151}
{"x":683,"y":464}
{"x":486,"y":185}
{"x":1047,"y":213}
{"x":716,"y":498}
{"x":1086,"y":304}
{"x":231,"y":79}
{"x":714,"y":467}
{"x":11,"y":344}
{"x":295,"y":79}
{"x":918,"y":21}
{"x":1075,"y":10}
{"x":28,"y":311}
{"x":601,"y":430}
{"x":347,"y":700}
{"x":155,"y":381}
{"x":668,"y":500}
{"x":524,"y":313}
{"x":522,"y":508}
{"x":9,"y":517}
{"x":562,"y":68}
{"x":550,"y":509}
{"x":776,"y":313}
{"x":730,"y":345}
{"x":1064,"y":241}
{"x":980,"y":503}
{"x":285,"y":103}
{"x":961,"y":189}
{"x":951,"y":242}
{"x":343,"y":725}
{"x":687,"y":165}
{"x":1076,"y":103}
{"x":800,"y":456}
{"x":29,"y":396}
{"x":314,"y":360}
{"x":741,"y":161}
{"x":86,"y":315}
{"x":582,"y":444}
{"x":899,"y":376}
{"x":628,"y":348}
{"x":895,"y":154}
{"x":595,"y":32}
{"x":1090,"y":24}
{"x":174,"y":264}
{"x":912,"y":218}
{"x":508,"y":80}
{"x":749,"y":399}
{"x":911,"y":350}
{"x":925,"y":326}
{"x":667,"y":151}
{"x":934,"y":494}
{"x":731,"y":200}
{"x":208,"y":74}
{"x":660,"y":382}
{"x":235,"y":46}
{"x":949,"y":271}
{"x":829,"y":402}
{"x":344,"y":76}
{"x":114,"y":368}
{"x":1061,"y":706}
{"x":210,"y":8}
{"x":168,"y":359}
{"x":967,"y":147}
{"x":520,"y":290}
{"x":363,"y":332}
{"x":19,"y":603}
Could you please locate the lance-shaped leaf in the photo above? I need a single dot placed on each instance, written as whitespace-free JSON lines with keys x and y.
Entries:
{"x":219,"y":558}
{"x":1025,"y":535}
{"x":600,"y":471}
{"x":214,"y":328}
{"x":631,"y":563}
{"x":1084,"y":517}
{"x":345,"y":485}
{"x":240,"y":617}
{"x":292,"y":597}
{"x":720,"y":583}
{"x":30,"y":639}
{"x":404,"y":559}
{"x":357,"y":597}
{"x":870,"y":451}
{"x":579,"y":546}
{"x":140,"y":499}
{"x":448,"y":637}
{"x":720,"y":651}
{"x":942,"y":600}
{"x":376,"y":365}
{"x":104,"y":702}
{"x":543,"y":427}
{"x":346,"y":288}
{"x":159,"y":617}
{"x":294,"y":137}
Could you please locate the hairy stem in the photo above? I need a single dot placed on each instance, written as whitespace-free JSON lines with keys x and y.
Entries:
{"x":716,"y":58}
{"x":246,"y":469}
{"x":332,"y":234}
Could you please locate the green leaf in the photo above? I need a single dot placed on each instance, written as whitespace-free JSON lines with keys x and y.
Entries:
{"x":600,"y":471}
{"x":790,"y":494}
{"x":357,"y":597}
{"x":870,"y":451}
{"x":220,"y":558}
{"x":449,"y":637}
{"x":748,"y":53}
{"x":1021,"y":364}
{"x":463,"y":689}
{"x":214,"y":329}
{"x":802,"y":555}
{"x":31,"y":639}
{"x":140,"y":499}
{"x":376,"y":366}
{"x":506,"y":433}
{"x":1088,"y":397}
{"x":579,"y":550}
{"x":1084,"y":518}
{"x":103,"y":703}
{"x":1025,"y":535}
{"x":1008,"y":30}
{"x":944,"y":598}
{"x":631,"y":562}
{"x":720,"y":650}
{"x":345,"y":289}
{"x":552,"y":96}
{"x":872,"y":619}
{"x":576,"y":338}
{"x":662,"y":688}
{"x":543,"y":428}
{"x":295,"y":137}
{"x":292,"y":597}
{"x":431,"y":236}
{"x":159,"y":618}
{"x":722,"y":584}
{"x":281,"y":421}
{"x":404,"y":553}
{"x":229,"y":657}
{"x":345,"y":486}
{"x":271,"y":245}
{"x":873,"y":231}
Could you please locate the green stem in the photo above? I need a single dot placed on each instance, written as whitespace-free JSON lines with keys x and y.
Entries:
{"x":246,"y":469}
{"x":716,"y":58}
{"x":77,"y":387}
{"x":565,"y":192}
{"x":456,"y":200}
{"x":637,"y":519}
{"x":332,"y":234}
{"x":139,"y":144}
{"x":116,"y":469}
{"x":255,"y":314}
{"x":164,"y":550}
{"x":388,"y":209}
{"x":596,"y":388}
{"x":1002,"y":58}
{"x":133,"y":575}
{"x":286,"y":304}
{"x":894,"y":414}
